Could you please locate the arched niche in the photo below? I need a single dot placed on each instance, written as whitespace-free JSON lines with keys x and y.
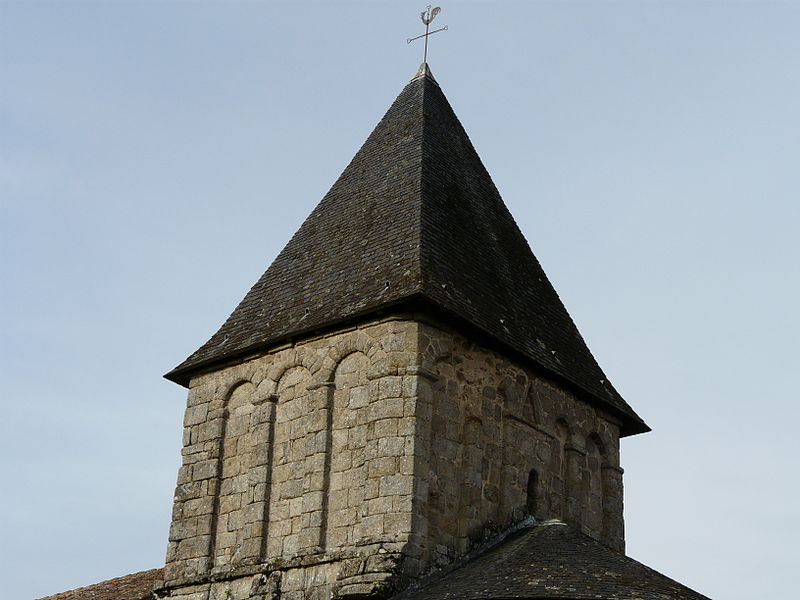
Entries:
{"x":564,"y":484}
{"x":289,"y":439}
{"x":346,"y":470}
{"x":471,"y":503}
{"x":443,"y":468}
{"x":594,"y":487}
{"x":233,"y":489}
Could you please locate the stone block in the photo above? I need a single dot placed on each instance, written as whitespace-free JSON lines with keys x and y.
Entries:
{"x":314,"y":481}
{"x":359,"y":397}
{"x":378,"y":467}
{"x":308,"y":538}
{"x":189,"y":491}
{"x":230,"y":503}
{"x":385,"y":428}
{"x":180,"y":530}
{"x":373,"y":389}
{"x":355,"y":496}
{"x":390,"y":387}
{"x":293,"y":580}
{"x":194,"y":452}
{"x":279,"y":528}
{"x":369,"y":528}
{"x":394,"y":342}
{"x":386,"y":408}
{"x":341,"y":461}
{"x":318,"y":421}
{"x":344,"y":517}
{"x":396,"y":485}
{"x":296,"y":507}
{"x":209,"y":430}
{"x":337,"y":537}
{"x":230,"y":447}
{"x":355,"y":590}
{"x":194,"y":547}
{"x":315,"y":519}
{"x":410,"y":386}
{"x":300,"y":523}
{"x":406,"y":426}
{"x":291,"y":544}
{"x":205,"y":469}
{"x":371,"y":488}
{"x":380,"y":505}
{"x":350,"y":568}
{"x":313,"y":501}
{"x":385,"y":563}
{"x":195,"y":415}
{"x":391,"y":446}
{"x":410,"y":407}
{"x":291,"y":489}
{"x":256,"y":474}
{"x":402,"y":503}
{"x":198,"y":506}
{"x":405,"y":465}
{"x":359,"y":434}
{"x":397,"y":523}
{"x":320,"y":443}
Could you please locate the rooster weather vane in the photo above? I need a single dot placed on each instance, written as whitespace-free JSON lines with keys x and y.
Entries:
{"x":427,"y":16}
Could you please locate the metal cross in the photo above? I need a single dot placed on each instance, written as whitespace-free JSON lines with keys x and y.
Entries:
{"x":427,"y":16}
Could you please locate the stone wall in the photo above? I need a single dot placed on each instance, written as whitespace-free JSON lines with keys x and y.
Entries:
{"x":352,"y":463}
{"x":298,"y":469}
{"x":499,"y":441}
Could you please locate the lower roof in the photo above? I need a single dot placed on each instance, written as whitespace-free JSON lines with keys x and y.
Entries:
{"x":549,"y":561}
{"x":137,"y":586}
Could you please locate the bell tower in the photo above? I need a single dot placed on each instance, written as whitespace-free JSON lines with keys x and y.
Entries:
{"x":401,"y":385}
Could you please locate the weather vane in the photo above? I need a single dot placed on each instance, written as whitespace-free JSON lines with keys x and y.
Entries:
{"x":427,"y":16}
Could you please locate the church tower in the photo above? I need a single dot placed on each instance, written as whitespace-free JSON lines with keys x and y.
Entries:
{"x":402,"y":387}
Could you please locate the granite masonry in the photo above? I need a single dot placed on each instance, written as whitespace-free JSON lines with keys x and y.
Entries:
{"x":354,"y":463}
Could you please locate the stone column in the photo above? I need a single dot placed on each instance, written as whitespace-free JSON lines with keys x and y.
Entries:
{"x":613,"y":521}
{"x":573,"y":485}
{"x":263,"y":431}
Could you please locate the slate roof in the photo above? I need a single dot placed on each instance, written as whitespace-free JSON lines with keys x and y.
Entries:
{"x":138,"y":586}
{"x":414,"y":218}
{"x":549,"y":561}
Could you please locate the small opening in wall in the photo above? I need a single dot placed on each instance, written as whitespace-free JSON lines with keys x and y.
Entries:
{"x":533,"y":492}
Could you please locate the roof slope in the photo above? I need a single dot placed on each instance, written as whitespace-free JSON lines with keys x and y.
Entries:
{"x":138,"y":586}
{"x":414,"y":217}
{"x":550,"y":561}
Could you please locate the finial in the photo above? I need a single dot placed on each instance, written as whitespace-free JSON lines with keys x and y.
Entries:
{"x":427,"y":16}
{"x":425,"y":71}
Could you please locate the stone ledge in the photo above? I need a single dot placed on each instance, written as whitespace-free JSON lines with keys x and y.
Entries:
{"x":310,"y":560}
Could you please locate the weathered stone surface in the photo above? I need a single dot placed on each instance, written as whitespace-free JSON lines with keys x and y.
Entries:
{"x":313,"y":462}
{"x":396,"y":434}
{"x":503,"y":442}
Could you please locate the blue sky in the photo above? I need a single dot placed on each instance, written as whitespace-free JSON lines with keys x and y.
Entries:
{"x":155,"y":157}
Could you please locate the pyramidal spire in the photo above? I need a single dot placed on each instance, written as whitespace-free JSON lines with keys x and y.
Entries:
{"x":414,"y":222}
